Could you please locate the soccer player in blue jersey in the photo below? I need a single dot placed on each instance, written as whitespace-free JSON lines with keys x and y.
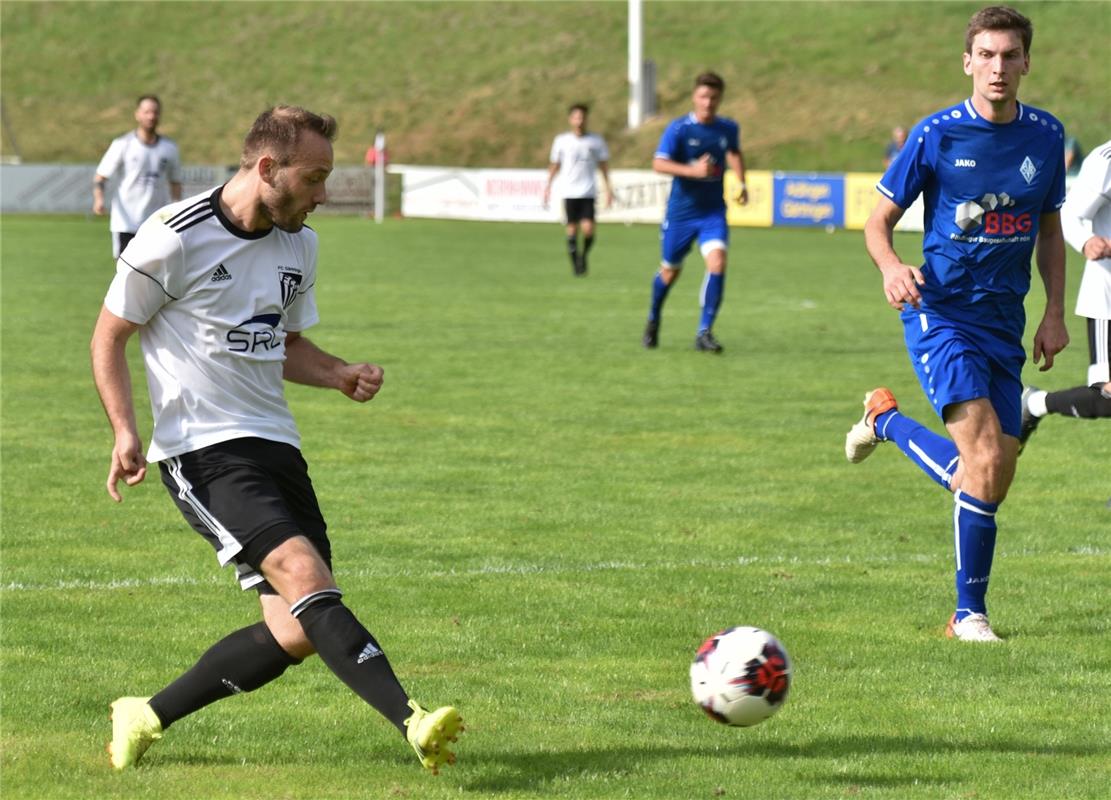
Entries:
{"x":695,"y":149}
{"x":992,"y":174}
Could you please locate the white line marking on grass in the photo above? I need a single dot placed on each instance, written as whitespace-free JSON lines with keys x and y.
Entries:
{"x":546,"y":569}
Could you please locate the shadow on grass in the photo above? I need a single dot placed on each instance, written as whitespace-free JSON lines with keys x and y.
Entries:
{"x":518,"y":770}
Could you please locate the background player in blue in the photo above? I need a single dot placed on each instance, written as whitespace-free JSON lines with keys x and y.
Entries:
{"x":992,"y":174}
{"x":694,"y":150}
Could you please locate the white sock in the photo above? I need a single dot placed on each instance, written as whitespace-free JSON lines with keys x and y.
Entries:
{"x":1036,"y":403}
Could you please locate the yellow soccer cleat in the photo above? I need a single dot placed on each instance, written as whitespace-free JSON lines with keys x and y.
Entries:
{"x":135,"y":727}
{"x":430,"y":731}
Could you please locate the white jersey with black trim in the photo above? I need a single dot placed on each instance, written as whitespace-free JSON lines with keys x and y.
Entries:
{"x":578,"y":157}
{"x":215,"y":303}
{"x":1087,"y":213}
{"x":142,"y":174}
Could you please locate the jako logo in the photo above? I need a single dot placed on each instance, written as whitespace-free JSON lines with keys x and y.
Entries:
{"x":245,"y":338}
{"x":964,"y":162}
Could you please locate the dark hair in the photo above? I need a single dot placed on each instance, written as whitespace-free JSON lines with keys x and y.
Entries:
{"x":145,"y":97}
{"x":999,"y":18}
{"x":583,"y":107}
{"x":279,"y":129}
{"x":711,"y":79}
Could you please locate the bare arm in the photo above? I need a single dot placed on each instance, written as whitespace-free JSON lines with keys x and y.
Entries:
{"x":113,"y":382}
{"x":98,"y":194}
{"x":736,"y":162}
{"x":307,"y":364}
{"x":900,"y":281}
{"x":1051,"y":337}
{"x":553,"y":169}
{"x":604,"y":167}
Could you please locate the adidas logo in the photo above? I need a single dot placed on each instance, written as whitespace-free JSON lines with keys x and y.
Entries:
{"x":221,"y":274}
{"x":369,"y":652}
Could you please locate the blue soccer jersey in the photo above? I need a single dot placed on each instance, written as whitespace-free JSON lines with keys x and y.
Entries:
{"x":685,"y":141}
{"x":985,"y":186}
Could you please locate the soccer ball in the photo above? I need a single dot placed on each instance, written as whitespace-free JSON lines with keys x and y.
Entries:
{"x":741,"y":676}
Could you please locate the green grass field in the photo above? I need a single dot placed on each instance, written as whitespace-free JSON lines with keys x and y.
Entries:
{"x":541,"y":521}
{"x":816,"y":85}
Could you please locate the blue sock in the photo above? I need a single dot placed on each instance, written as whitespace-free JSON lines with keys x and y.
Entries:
{"x":974,"y":530}
{"x":659,"y":294}
{"x":713,"y":287}
{"x":934,"y":454}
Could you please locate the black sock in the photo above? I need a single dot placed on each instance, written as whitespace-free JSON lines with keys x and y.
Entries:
{"x":354,"y":656}
{"x":588,"y":242}
{"x":240,"y":662}
{"x":573,"y":248}
{"x":1083,"y":401}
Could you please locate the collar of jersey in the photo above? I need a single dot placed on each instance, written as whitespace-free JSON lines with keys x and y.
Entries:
{"x":230,"y":226}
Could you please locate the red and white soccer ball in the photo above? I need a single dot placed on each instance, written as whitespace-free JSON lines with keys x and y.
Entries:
{"x":741,"y":676}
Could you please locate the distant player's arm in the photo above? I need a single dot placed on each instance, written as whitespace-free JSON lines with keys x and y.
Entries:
{"x":900,"y":281}
{"x":553,"y":170}
{"x":604,"y":168}
{"x":736,"y":161}
{"x":113,"y":383}
{"x":175,"y":191}
{"x":307,"y":364}
{"x":1052,"y":336}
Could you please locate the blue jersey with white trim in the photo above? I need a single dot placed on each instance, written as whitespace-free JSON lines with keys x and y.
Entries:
{"x":985,"y":187}
{"x":685,"y":141}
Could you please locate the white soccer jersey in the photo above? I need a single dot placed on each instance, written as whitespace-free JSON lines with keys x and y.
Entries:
{"x":578,"y":157}
{"x":215,"y":303}
{"x":142,"y":175}
{"x":1087,"y":213}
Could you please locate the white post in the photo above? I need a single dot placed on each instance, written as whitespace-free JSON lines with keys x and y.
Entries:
{"x":379,"y":176}
{"x":636,"y":58}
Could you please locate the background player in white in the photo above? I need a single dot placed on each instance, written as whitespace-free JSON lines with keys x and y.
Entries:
{"x":578,"y":155}
{"x":220,"y":288}
{"x":1086,"y":222}
{"x":145,"y":168}
{"x":992,"y":175}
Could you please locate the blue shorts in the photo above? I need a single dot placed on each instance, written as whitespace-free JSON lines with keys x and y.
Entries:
{"x":957,"y":363}
{"x":676,"y":237}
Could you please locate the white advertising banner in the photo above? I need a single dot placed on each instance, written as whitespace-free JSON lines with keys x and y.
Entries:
{"x":68,"y":188}
{"x":517,"y":195}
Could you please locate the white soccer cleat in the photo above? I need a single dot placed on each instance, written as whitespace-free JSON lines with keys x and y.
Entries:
{"x":861,"y":439}
{"x":973,"y":628}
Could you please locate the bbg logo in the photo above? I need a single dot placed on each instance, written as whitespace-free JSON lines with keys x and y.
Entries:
{"x":988,"y":211}
{"x":257,"y":333}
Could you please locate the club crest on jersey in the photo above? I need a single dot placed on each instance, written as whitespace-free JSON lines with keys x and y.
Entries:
{"x":290,"y":283}
{"x":1028,"y":170}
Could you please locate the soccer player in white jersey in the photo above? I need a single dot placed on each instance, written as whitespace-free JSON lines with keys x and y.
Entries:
{"x":1086,"y":221}
{"x":220,"y":288}
{"x":578,"y":155}
{"x":991,"y":171}
{"x":146,"y":170}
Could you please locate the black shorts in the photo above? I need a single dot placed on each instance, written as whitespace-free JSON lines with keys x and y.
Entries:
{"x":579,"y":208}
{"x":119,"y":242}
{"x":1099,"y":351}
{"x":246,"y":497}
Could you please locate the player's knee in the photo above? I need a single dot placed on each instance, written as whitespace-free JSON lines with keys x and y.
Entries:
{"x":290,"y":636}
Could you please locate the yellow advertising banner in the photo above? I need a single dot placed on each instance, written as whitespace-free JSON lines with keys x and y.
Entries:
{"x":860,"y":198}
{"x":757,"y":213}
